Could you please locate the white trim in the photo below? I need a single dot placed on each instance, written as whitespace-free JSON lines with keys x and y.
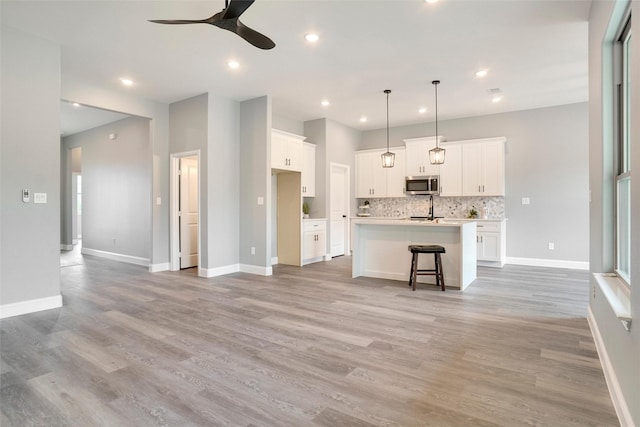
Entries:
{"x":274,"y":260}
{"x":620,"y":405}
{"x":218,"y":271}
{"x":553,"y":263}
{"x":64,"y":247}
{"x":617,"y":294}
{"x":155,"y":268}
{"x":116,"y":257}
{"x":256,"y":269}
{"x":30,"y":306}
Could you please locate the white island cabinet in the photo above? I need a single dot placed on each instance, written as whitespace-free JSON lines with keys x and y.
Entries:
{"x":380,"y":249}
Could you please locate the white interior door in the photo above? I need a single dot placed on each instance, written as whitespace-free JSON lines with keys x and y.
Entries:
{"x":188,"y":212}
{"x":339,"y":207}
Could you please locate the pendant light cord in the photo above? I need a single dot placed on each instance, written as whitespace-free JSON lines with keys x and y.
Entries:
{"x":387,"y":92}
{"x":436,"y":83}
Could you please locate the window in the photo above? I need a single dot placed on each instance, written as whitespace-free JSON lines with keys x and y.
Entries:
{"x":622,"y":64}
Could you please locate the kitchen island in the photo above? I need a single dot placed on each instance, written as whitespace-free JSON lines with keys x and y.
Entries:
{"x":380,"y":249}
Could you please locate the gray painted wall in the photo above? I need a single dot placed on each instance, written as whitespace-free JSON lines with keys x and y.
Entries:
{"x":546,"y":160}
{"x":116,"y":193}
{"x":255,"y":181}
{"x":224,"y":182}
{"x":622,"y":347}
{"x":30,"y":111}
{"x":287,"y":124}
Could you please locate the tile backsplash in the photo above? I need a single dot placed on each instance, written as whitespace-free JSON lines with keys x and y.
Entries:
{"x":448,"y":207}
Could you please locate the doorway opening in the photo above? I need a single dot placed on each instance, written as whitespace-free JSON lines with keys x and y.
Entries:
{"x":185,"y":210}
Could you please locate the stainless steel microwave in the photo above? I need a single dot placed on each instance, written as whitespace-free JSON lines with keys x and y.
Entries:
{"x":417,"y":185}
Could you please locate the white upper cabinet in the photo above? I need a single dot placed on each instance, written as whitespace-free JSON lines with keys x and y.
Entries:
{"x":286,"y":150}
{"x":308,"y":170}
{"x":396,"y":175}
{"x":417,"y":162}
{"x":451,"y":170}
{"x":372,"y":180}
{"x":483,"y":167}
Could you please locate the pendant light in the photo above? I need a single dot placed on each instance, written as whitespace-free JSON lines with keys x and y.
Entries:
{"x":436,"y":155}
{"x":388,"y":158}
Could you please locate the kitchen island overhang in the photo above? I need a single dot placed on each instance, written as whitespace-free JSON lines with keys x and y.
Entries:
{"x":380,"y":249}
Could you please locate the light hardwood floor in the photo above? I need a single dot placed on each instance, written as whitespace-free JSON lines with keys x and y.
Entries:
{"x":307,"y":346}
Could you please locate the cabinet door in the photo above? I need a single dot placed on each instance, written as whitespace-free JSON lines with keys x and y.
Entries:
{"x":314,"y":245}
{"x":415,"y":161}
{"x":294,"y":154}
{"x":396,"y":175}
{"x":488,"y":246}
{"x":471,"y":169}
{"x":321,"y":244}
{"x":278,"y":150}
{"x":451,"y":172}
{"x":308,"y":170}
{"x":371,"y":178}
{"x":493,"y":169}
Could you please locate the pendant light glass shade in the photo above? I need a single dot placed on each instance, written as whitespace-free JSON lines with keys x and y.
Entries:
{"x":436,"y":155}
{"x":388,"y":158}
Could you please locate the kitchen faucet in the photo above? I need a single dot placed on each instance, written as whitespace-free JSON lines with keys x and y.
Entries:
{"x":431,"y":214}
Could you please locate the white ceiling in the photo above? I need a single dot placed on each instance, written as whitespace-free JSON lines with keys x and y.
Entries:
{"x":535,"y":51}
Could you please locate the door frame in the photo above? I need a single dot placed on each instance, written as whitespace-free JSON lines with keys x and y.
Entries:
{"x":347,"y":198}
{"x":174,"y":203}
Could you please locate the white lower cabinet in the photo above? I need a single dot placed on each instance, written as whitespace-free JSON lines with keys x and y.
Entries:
{"x":491,"y":242}
{"x":314,"y":238}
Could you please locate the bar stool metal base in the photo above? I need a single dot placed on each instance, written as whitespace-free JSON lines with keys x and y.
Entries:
{"x":436,"y":250}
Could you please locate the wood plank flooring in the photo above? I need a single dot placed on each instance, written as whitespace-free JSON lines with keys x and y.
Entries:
{"x":306,"y":347}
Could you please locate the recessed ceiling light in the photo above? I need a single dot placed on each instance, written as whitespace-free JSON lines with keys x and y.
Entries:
{"x":496,"y":98}
{"x":75,"y":104}
{"x":127,"y":82}
{"x":311,"y":37}
{"x":233,"y":64}
{"x":422,"y":110}
{"x":481,"y":73}
{"x":363,"y":119}
{"x":430,"y":1}
{"x":325,"y":103}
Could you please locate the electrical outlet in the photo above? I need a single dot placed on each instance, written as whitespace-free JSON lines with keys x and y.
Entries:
{"x":253,"y":250}
{"x":552,"y":246}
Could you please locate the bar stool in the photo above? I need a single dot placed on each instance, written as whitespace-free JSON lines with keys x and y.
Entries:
{"x":436,"y":250}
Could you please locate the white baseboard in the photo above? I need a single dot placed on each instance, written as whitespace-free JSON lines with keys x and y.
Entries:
{"x":256,"y":269}
{"x":155,"y":268}
{"x":64,"y":247}
{"x":553,"y":263}
{"x":274,"y":260}
{"x":218,"y":271}
{"x":116,"y":257}
{"x":620,"y":405}
{"x":30,"y":306}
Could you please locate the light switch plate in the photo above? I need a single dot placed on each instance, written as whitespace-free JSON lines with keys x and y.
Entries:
{"x":525,"y":201}
{"x":39,"y":197}
{"x":261,"y":200}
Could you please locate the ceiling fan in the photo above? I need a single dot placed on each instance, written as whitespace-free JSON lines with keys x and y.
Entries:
{"x":227,"y":19}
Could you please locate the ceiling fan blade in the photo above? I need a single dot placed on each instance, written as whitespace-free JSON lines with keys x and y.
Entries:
{"x":236,"y":8}
{"x":178,"y":21}
{"x":255,"y":38}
